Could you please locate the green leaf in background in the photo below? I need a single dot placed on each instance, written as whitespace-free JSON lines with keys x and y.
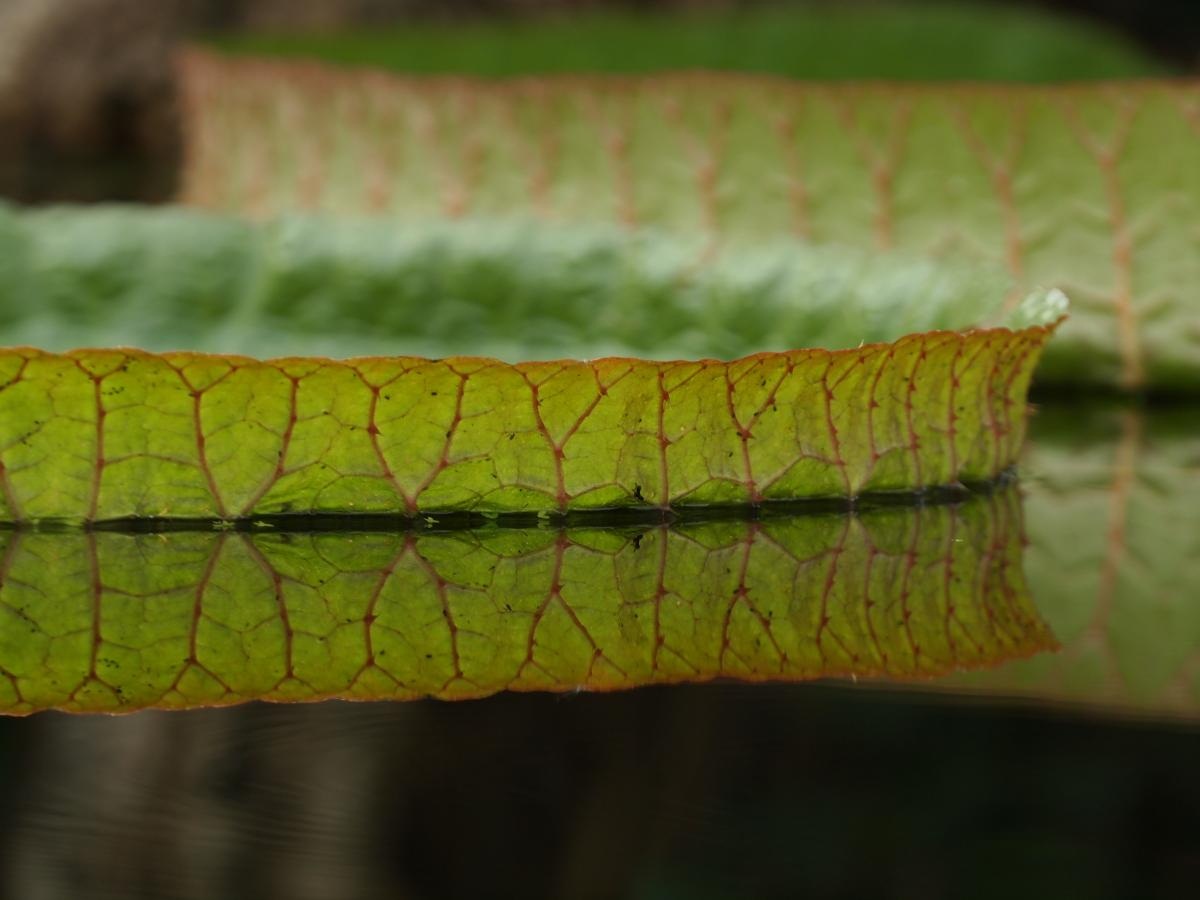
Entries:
{"x":914,"y":41}
{"x":179,"y":279}
{"x":118,"y":622}
{"x":1095,"y":190}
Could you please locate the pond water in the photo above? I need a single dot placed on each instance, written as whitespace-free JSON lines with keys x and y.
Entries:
{"x":1005,"y":699}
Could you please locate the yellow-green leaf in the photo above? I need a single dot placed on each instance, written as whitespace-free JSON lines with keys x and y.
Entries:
{"x":114,"y":434}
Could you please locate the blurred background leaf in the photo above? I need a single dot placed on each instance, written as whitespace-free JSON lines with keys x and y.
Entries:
{"x":825,"y":41}
{"x":87,"y":113}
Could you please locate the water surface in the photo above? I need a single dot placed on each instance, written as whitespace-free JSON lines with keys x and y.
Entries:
{"x":1067,"y":770}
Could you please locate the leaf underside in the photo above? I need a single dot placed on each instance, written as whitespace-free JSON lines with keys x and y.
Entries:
{"x":118,"y":622}
{"x":1092,"y":189}
{"x":97,"y":435}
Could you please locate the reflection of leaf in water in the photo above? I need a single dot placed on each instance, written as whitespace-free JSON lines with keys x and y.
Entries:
{"x":113,"y":621}
{"x":1113,"y":517}
{"x":982,"y":173}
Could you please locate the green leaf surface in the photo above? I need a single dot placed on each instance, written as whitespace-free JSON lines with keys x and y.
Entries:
{"x":117,"y":622}
{"x":178,"y":279}
{"x":1095,"y":190}
{"x":96,"y":435}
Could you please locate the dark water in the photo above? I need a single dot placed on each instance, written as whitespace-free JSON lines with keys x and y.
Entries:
{"x":703,"y":791}
{"x":1068,"y":774}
